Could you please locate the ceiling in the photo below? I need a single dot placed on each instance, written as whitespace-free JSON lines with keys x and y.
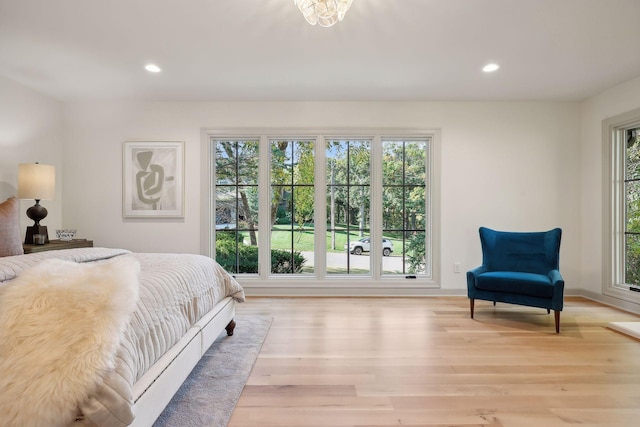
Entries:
{"x":264,"y":50}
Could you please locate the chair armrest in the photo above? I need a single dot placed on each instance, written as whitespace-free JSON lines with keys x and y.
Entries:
{"x":557,"y":281}
{"x":556,"y":277}
{"x":477,"y":271}
{"x":471,"y":279}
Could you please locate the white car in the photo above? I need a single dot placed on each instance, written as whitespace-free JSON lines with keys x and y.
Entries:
{"x":364,"y":245}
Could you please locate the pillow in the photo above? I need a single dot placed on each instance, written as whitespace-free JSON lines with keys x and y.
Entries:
{"x":10,"y":240}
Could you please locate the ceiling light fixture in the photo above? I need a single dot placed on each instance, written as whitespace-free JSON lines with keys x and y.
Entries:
{"x":153,"y":68}
{"x":323,"y":12}
{"x":489,"y":68}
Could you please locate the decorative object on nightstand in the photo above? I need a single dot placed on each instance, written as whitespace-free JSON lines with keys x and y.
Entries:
{"x":66,"y":234}
{"x":55,"y":245}
{"x":38,"y":182}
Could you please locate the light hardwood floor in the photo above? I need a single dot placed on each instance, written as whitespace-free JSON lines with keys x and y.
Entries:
{"x":424,"y":362}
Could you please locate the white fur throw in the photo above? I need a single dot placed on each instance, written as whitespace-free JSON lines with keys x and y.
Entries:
{"x":60,"y":326}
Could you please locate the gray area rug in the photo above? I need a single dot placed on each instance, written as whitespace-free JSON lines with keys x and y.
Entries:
{"x":211,"y":391}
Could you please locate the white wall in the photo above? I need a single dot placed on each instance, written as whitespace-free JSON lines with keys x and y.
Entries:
{"x":505,"y":165}
{"x":30,"y":131}
{"x":511,"y":166}
{"x":612,"y":102}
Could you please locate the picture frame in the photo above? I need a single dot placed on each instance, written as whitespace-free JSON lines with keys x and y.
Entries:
{"x":153,"y":179}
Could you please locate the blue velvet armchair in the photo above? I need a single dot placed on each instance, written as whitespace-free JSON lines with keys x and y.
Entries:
{"x":519,"y":268}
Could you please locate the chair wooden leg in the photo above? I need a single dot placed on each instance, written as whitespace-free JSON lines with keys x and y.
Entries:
{"x":471,"y":306}
{"x":557,"y":316}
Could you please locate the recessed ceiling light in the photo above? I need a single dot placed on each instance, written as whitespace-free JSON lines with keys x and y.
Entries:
{"x":152,"y":68}
{"x":489,"y":68}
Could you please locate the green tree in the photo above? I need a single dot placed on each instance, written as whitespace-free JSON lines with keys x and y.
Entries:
{"x":349,"y":175}
{"x":237,"y":165}
{"x":304,"y":177}
{"x":632,"y":268}
{"x":280,"y":176}
{"x":416,"y":253}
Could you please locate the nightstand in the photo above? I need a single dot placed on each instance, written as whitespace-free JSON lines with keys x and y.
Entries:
{"x":55,"y":245}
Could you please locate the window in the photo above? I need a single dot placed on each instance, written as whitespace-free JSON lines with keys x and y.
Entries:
{"x":313,"y":210}
{"x":404,"y":203}
{"x":621,"y":136}
{"x":348,"y":206}
{"x":632,"y":208}
{"x":236,"y":204}
{"x":292,"y":205}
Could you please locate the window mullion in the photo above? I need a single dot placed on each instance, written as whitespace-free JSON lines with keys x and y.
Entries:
{"x":375,"y":207}
{"x":264,"y":201}
{"x":430,"y":189}
{"x":319,"y":215}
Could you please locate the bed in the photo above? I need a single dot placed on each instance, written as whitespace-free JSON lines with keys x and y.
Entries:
{"x":182,"y":303}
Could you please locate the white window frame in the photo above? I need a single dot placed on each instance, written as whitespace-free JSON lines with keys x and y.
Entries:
{"x":614,"y":156}
{"x":320,"y":283}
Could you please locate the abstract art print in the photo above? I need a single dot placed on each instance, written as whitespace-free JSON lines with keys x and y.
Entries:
{"x":153,"y":179}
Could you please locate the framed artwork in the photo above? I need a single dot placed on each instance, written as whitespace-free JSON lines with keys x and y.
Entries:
{"x":153,"y":179}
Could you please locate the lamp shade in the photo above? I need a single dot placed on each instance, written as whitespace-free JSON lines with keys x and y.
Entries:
{"x":36,"y":181}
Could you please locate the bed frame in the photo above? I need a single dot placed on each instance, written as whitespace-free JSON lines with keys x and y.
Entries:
{"x":154,"y":390}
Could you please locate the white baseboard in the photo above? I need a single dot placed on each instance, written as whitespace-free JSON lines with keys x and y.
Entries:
{"x":628,"y":328}
{"x":604,"y":299}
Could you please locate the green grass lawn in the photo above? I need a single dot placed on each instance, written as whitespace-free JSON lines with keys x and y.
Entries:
{"x":303,"y":238}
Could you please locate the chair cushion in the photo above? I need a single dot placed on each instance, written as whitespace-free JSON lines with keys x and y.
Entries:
{"x":528,"y":252}
{"x":531,"y":284}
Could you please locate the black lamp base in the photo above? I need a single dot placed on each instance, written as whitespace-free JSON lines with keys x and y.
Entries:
{"x":33,"y":230}
{"x":37,"y":213}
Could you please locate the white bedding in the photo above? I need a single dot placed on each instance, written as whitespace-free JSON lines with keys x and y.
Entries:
{"x":176,"y":290}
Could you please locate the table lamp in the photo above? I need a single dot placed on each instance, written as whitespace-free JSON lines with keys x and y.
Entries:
{"x":38,"y":182}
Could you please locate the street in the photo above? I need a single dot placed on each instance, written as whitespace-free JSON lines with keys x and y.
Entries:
{"x":337,"y":261}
